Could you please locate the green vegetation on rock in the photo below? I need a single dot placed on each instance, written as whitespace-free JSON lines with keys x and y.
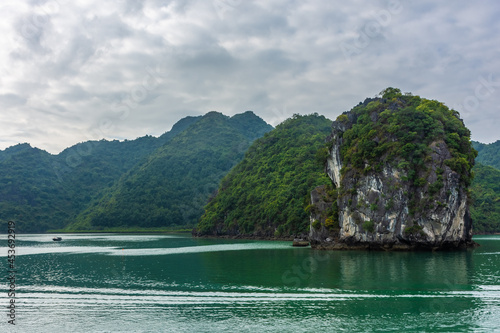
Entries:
{"x":266,"y":193}
{"x":402,"y":128}
{"x":411,"y":134}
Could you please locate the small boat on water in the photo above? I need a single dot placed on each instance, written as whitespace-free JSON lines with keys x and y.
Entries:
{"x":57,"y":239}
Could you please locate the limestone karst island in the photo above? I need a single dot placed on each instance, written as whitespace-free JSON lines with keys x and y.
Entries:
{"x":392,"y":173}
{"x":401,"y":167}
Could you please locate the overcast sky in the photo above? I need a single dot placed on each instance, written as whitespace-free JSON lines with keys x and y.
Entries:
{"x":75,"y":70}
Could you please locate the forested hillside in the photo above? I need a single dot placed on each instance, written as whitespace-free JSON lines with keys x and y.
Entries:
{"x":485,"y":188}
{"x":265,"y":194}
{"x":88,"y":168}
{"x":171,"y":187}
{"x":488,"y":154}
{"x":42,"y":191}
{"x":485,"y":209}
{"x":30,"y":191}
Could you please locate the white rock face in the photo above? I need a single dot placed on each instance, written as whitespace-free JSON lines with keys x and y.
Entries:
{"x":334,"y":164}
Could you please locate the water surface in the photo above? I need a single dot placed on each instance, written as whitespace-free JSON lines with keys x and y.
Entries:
{"x":158,"y":283}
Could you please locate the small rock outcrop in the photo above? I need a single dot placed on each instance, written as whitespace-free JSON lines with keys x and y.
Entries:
{"x":401,"y":167}
{"x":324,"y":216}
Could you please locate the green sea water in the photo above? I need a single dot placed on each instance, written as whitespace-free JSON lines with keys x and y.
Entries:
{"x":165,"y":283}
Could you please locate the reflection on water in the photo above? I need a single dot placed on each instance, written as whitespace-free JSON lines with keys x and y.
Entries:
{"x":148,"y":283}
{"x":116,"y":251}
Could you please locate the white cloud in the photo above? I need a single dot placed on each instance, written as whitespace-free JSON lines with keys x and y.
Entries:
{"x":77,"y":70}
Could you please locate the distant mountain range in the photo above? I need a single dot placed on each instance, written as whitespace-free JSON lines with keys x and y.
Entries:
{"x":488,"y":154}
{"x":147,"y":182}
{"x":159,"y":183}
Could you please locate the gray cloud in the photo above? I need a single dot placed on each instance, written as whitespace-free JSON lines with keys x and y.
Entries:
{"x":11,"y":100}
{"x":73,"y":72}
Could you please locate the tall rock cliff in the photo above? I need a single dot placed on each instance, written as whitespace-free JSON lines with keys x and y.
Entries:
{"x":401,"y":168}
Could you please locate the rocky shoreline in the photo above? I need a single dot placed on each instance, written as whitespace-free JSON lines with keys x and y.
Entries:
{"x":335,"y":245}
